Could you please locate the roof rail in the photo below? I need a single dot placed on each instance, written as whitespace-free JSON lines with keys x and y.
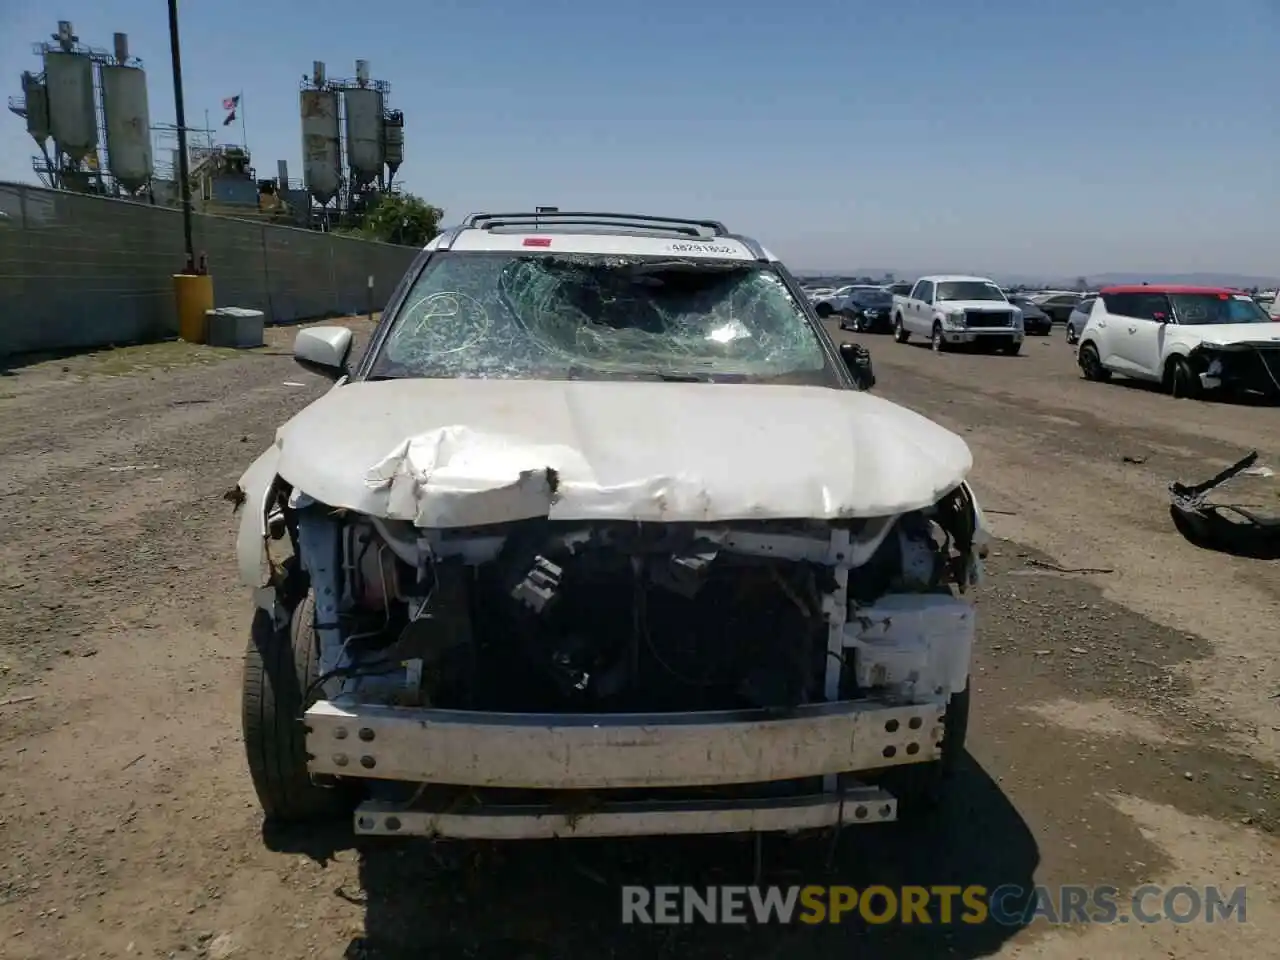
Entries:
{"x":612,"y":225}
{"x":488,"y":221}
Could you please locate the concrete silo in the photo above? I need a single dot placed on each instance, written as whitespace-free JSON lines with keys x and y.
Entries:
{"x":393,"y":143}
{"x":73,"y":118}
{"x":321,"y":138}
{"x":128,"y":119}
{"x":364,"y":123}
{"x":35,"y":108}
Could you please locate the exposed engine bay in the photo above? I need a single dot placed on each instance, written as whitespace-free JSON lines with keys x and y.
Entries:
{"x":538,"y":616}
{"x":1242,"y":367}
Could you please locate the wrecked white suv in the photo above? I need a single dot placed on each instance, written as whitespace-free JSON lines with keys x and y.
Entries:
{"x":601,"y":537}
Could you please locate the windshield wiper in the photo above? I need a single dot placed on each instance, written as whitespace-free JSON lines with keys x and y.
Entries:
{"x":683,"y":377}
{"x":664,"y":376}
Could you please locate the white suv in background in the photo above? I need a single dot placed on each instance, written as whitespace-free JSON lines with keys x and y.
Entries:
{"x":1188,"y":339}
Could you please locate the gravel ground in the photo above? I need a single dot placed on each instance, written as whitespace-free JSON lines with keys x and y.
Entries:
{"x":1124,"y":724}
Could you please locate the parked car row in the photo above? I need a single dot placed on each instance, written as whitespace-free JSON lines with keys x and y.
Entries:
{"x":1189,"y":339}
{"x":860,"y":307}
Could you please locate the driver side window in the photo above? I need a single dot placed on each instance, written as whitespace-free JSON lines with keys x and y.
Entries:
{"x":1152,"y":305}
{"x":1137,"y":306}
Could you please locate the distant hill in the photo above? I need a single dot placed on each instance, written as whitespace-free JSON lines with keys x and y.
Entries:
{"x":1095,"y":279}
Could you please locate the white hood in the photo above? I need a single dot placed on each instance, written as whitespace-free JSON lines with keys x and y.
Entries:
{"x":451,"y":453}
{"x":1228,"y":334}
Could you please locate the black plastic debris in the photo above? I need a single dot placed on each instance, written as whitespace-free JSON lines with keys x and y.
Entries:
{"x":1225,"y":527}
{"x":858,"y":359}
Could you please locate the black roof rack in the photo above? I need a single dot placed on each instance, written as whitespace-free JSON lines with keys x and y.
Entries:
{"x":578,"y":218}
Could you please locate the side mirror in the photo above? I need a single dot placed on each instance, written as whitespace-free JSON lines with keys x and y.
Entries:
{"x":858,"y":359}
{"x":323,"y":350}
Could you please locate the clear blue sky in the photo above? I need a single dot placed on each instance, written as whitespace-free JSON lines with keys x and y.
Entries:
{"x":994,"y":135}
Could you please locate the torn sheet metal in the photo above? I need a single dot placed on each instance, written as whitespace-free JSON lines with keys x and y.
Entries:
{"x":463,"y":452}
{"x":1231,"y":528}
{"x":257,"y":484}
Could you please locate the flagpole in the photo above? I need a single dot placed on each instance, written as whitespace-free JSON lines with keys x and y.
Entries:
{"x":244,"y":135}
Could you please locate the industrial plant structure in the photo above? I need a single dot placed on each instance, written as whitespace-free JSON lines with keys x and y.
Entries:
{"x":87,"y":111}
{"x":349,"y":120}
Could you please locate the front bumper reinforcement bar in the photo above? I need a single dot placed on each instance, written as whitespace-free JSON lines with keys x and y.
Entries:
{"x":616,"y":751}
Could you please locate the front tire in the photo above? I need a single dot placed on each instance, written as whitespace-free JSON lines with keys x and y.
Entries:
{"x":1183,"y":383}
{"x":1091,"y":364}
{"x":938,"y":341}
{"x":280,"y":666}
{"x":1012,"y":349}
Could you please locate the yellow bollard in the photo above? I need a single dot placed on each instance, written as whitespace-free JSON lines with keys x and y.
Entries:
{"x":194,"y":295}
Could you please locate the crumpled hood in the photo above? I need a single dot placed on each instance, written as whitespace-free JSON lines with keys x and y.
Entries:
{"x":1228,"y":334}
{"x":459,"y":452}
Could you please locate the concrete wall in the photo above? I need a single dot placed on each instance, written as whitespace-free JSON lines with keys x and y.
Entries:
{"x":78,"y":271}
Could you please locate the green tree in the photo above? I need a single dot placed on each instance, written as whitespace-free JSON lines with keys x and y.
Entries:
{"x":402,"y":218}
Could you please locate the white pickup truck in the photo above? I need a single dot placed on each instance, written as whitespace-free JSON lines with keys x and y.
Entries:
{"x":952,"y":310}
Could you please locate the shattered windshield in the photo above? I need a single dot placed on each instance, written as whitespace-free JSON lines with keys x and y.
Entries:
{"x":595,"y":316}
{"x":1194,"y":309}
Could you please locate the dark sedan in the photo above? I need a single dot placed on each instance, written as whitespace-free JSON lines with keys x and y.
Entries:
{"x":866,"y":311}
{"x":1035,"y":322}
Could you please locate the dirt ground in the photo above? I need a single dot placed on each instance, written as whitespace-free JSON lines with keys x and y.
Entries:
{"x":1125,"y":730}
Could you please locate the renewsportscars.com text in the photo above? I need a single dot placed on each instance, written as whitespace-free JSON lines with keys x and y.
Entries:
{"x":1009,"y":905}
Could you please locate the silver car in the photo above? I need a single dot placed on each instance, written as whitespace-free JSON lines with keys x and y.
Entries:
{"x":1078,"y":318}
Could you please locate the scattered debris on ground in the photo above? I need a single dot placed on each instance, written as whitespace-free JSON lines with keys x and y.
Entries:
{"x":1228,"y":527}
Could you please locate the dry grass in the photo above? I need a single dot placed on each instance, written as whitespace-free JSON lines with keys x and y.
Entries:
{"x":151,"y":358}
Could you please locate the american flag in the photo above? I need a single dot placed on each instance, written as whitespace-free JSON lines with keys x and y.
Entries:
{"x":230,"y":103}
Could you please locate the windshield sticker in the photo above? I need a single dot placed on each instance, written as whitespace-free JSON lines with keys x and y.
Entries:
{"x":1245,"y":297}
